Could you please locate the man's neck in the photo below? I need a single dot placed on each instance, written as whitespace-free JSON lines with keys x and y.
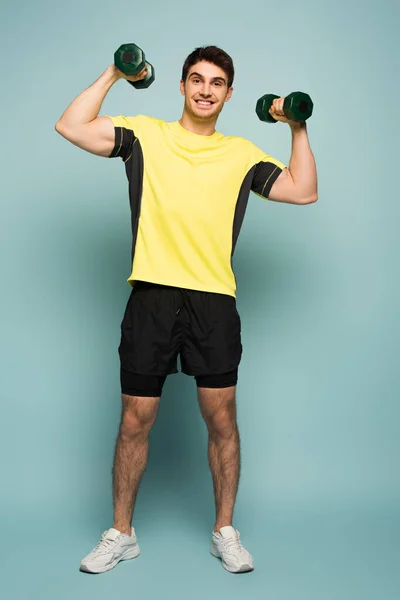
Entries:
{"x":200,"y":127}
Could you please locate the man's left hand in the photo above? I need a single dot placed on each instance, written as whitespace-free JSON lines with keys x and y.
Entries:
{"x":276,"y":111}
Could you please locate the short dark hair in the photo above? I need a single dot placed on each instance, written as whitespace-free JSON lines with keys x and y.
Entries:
{"x":211,"y":54}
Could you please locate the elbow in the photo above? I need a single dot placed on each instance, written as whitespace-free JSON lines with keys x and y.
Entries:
{"x":58,"y":127}
{"x":61,"y":128}
{"x":309,"y":199}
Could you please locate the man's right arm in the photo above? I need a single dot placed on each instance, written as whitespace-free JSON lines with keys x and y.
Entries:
{"x":80,"y":123}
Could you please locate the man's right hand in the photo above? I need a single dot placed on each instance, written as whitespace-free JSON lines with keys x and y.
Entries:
{"x":138,"y":77}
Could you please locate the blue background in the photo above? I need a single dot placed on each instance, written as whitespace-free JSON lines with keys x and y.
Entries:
{"x":318,"y":296}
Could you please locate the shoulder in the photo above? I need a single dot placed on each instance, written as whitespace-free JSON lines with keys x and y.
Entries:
{"x":245,"y":147}
{"x":241,"y":143}
{"x":236,"y":140}
{"x":255,"y":155}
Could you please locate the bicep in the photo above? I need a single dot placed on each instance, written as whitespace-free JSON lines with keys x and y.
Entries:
{"x":96,"y":137}
{"x":272,"y":180}
{"x":284,"y":189}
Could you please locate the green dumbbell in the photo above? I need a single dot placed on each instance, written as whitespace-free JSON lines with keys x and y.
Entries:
{"x":148,"y":80}
{"x":297,"y":107}
{"x":130,"y":59}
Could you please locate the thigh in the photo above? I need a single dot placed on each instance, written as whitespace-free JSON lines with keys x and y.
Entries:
{"x":218,"y":381}
{"x":150,"y":336}
{"x":212,"y":343}
{"x":217,"y":393}
{"x":133,"y":384}
{"x":217,"y":404}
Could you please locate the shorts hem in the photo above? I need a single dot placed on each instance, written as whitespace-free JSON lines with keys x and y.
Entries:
{"x":217,"y":387}
{"x":208,"y":374}
{"x":150,"y":374}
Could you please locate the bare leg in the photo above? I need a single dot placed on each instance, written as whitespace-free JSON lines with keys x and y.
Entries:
{"x":131,"y":453}
{"x":218,"y":408}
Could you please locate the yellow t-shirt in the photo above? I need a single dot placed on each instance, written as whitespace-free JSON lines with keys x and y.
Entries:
{"x":188,"y":195}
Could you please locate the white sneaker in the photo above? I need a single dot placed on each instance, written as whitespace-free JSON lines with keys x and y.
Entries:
{"x":113,"y":547}
{"x":226,"y":545}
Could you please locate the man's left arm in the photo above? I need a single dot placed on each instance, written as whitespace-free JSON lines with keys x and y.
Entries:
{"x":298,"y":183}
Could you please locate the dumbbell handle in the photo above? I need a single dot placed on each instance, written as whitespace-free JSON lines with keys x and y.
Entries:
{"x":267,"y":106}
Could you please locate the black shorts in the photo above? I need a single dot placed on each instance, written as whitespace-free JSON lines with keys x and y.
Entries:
{"x":162,"y":322}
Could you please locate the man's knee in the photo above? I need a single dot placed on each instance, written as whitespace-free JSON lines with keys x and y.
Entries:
{"x":138,"y":415}
{"x":222,"y":424}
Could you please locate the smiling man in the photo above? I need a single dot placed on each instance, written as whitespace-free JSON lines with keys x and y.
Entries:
{"x":206,"y":89}
{"x":188,"y":189}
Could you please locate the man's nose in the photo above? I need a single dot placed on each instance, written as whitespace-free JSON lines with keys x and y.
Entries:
{"x":205,"y":91}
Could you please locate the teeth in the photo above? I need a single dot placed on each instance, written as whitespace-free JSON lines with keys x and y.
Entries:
{"x":203,"y":102}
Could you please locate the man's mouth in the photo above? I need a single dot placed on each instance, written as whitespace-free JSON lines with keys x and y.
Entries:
{"x":204,"y":103}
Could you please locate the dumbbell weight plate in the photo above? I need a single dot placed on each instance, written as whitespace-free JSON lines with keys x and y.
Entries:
{"x":298,"y":106}
{"x":147,"y":81}
{"x":129,"y":59}
{"x":262,"y":107}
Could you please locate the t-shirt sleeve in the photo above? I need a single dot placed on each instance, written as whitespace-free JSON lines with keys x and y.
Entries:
{"x":126,"y":133}
{"x":266,"y":172}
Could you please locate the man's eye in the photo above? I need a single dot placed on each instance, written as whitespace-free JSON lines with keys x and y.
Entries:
{"x":195,"y":80}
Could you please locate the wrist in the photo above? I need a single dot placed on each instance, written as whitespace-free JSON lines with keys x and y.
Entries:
{"x":113,"y":74}
{"x":296,"y":126}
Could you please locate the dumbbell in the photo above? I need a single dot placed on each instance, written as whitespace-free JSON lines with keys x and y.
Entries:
{"x":297,"y":107}
{"x":130,"y":59}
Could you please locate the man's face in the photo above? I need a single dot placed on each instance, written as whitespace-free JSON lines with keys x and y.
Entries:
{"x":205,"y":90}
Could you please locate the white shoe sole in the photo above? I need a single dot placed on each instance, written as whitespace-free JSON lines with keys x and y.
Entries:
{"x":92,"y":567}
{"x":244,"y":568}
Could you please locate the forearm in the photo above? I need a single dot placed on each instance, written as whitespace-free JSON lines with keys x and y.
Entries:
{"x":302,"y":164}
{"x":86,"y":106}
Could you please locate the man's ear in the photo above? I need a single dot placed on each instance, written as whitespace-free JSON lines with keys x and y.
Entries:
{"x":182,"y":87}
{"x":229,"y":94}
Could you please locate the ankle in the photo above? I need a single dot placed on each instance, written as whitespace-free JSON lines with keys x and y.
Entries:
{"x":123,"y":529}
{"x":218,"y":526}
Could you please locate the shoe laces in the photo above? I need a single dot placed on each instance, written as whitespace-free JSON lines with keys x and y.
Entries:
{"x":233,"y":543}
{"x":105,"y":543}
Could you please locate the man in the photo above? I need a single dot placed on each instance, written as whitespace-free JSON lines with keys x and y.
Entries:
{"x":188,"y":191}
